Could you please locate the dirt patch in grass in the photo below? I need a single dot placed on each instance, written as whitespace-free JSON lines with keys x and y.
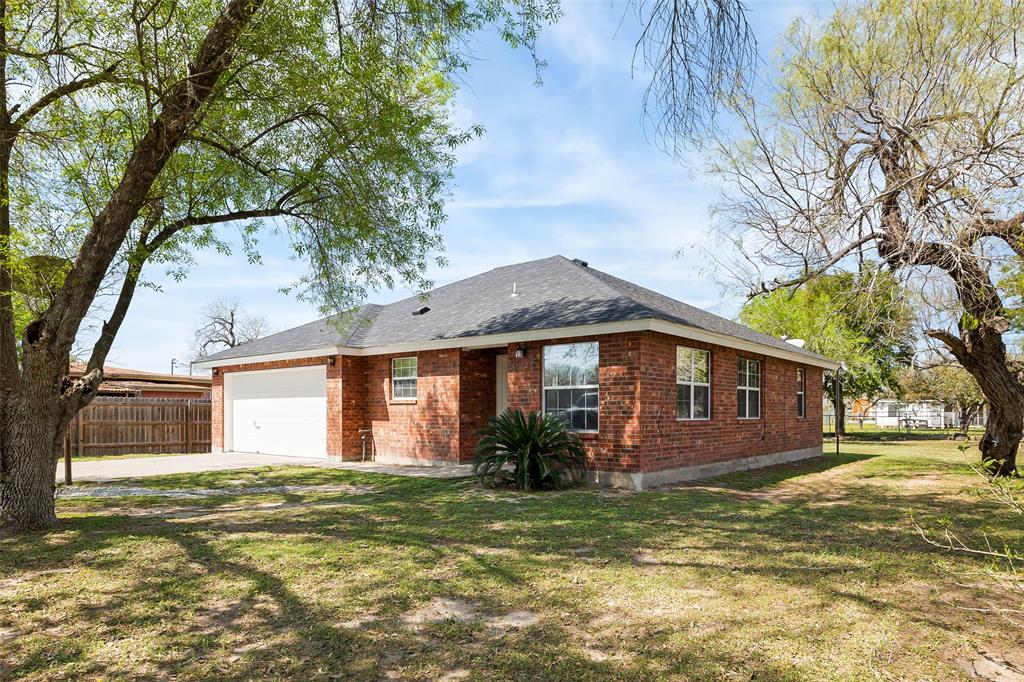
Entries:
{"x":993,"y":666}
{"x":441,"y":609}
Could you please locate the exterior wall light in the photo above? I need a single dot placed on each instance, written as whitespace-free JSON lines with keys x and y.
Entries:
{"x":521,"y":352}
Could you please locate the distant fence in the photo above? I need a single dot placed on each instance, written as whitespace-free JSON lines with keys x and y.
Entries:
{"x":122,"y":426}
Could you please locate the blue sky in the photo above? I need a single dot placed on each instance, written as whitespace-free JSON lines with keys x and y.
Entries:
{"x":563,"y":168}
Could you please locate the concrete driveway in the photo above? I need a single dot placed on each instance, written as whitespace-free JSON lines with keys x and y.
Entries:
{"x":96,"y":471}
{"x":99,"y":470}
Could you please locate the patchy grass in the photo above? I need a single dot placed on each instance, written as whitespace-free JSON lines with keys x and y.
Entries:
{"x":809,"y":571}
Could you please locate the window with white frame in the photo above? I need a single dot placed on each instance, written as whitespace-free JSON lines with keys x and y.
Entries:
{"x":570,"y":383}
{"x":693,"y":383}
{"x":748,"y":389}
{"x":403,"y":379}
{"x":800,"y":403}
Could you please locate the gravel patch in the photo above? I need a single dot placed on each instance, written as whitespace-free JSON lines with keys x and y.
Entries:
{"x":184,"y":493}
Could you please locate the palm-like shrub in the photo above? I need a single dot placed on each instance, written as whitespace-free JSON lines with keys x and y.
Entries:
{"x":539,"y":449}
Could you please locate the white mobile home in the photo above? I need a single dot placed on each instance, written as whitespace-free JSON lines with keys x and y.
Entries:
{"x":928,"y":414}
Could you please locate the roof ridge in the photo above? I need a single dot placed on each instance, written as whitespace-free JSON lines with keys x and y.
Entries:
{"x":613,"y":285}
{"x":371,"y":312}
{"x":471,"y":277}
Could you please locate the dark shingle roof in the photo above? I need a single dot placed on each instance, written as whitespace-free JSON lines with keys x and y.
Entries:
{"x":549,"y":293}
{"x":338,"y":330}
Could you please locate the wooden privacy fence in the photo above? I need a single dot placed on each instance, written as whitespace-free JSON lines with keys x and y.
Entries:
{"x":122,"y":426}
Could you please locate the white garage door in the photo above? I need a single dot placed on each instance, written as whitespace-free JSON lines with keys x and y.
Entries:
{"x":279,"y":412}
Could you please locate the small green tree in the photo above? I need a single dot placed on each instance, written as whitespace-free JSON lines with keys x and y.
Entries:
{"x":871,"y":335}
{"x":951,"y":385}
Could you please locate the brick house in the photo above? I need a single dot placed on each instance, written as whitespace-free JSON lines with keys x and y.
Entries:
{"x":658,"y":390}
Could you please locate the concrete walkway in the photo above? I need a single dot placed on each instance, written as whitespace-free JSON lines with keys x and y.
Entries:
{"x":98,"y":471}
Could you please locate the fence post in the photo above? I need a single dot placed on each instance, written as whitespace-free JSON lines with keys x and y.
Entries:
{"x":81,"y":431}
{"x":67,"y":457}
{"x":188,"y":427}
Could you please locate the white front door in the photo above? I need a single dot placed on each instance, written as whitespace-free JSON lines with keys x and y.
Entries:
{"x":501,"y":383}
{"x":278,"y":412}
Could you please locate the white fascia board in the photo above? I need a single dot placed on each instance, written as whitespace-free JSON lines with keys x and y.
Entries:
{"x":670,"y":328}
{"x":498,"y":340}
{"x":740,"y":344}
{"x":268,"y":357}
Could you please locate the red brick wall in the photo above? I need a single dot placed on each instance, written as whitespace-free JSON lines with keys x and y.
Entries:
{"x":477,"y":398}
{"x":217,"y":412}
{"x":424,"y":428}
{"x":670,"y":443}
{"x":354,"y":409}
{"x":638,"y":429}
{"x":334,"y":408}
{"x":616,"y":445}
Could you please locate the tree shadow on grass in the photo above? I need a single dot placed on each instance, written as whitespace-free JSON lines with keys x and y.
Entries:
{"x":304,"y":639}
{"x":273,"y":587}
{"x":769,"y":476}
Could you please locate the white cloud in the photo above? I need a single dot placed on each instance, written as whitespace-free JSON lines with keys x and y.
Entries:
{"x":588,"y":36}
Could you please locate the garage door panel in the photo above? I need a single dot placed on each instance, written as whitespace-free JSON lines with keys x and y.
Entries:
{"x":280,"y":412}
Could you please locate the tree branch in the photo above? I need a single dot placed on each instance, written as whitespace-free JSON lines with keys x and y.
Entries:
{"x":137,"y":259}
{"x":104,"y":76}
{"x":147,"y":160}
{"x":777,"y":284}
{"x":955,"y":345}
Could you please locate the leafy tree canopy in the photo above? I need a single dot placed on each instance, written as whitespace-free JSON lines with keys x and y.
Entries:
{"x":871,"y":335}
{"x":949,"y":384}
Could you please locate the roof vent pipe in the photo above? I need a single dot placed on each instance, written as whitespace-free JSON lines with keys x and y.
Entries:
{"x":421,"y":310}
{"x":515,"y":291}
{"x":581,"y":263}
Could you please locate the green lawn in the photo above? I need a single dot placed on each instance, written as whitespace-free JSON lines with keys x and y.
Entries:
{"x":811,"y":571}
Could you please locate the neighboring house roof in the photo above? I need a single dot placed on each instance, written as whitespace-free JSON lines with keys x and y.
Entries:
{"x":527,"y":298}
{"x":132,"y":387}
{"x":123,"y":379}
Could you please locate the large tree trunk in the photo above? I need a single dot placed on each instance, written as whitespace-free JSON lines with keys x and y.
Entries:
{"x":38,"y":402}
{"x":34,"y":420}
{"x":1002,"y":437}
{"x":27,"y":491}
{"x":981,"y":351}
